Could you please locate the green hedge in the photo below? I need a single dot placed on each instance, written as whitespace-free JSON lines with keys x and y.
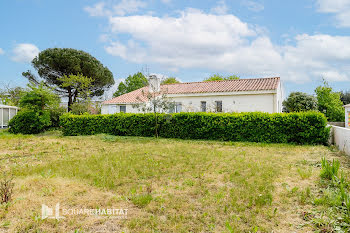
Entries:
{"x":302,"y":128}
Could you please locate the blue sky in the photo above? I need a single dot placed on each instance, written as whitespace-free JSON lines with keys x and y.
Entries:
{"x":301,"y":40}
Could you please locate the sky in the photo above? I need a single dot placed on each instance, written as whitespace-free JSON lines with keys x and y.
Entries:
{"x":301,"y":41}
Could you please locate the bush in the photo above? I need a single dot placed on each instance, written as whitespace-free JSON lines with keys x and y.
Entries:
{"x":302,"y":128}
{"x":300,"y":102}
{"x":55,"y":114}
{"x":30,"y":122}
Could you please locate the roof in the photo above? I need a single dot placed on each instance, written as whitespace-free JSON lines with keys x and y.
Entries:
{"x":7,"y":106}
{"x":348,"y":105}
{"x":239,"y":85}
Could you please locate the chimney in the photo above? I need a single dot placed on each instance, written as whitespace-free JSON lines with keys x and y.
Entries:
{"x":154,"y":84}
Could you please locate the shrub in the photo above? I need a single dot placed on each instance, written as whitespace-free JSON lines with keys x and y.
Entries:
{"x":55,"y":114}
{"x":300,"y":102}
{"x":30,"y":122}
{"x":302,"y":128}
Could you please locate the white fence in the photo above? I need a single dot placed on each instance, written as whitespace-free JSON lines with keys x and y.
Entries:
{"x":341,"y":138}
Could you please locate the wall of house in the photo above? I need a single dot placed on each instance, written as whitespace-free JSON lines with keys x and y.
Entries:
{"x":232,"y":103}
{"x":265,"y":101}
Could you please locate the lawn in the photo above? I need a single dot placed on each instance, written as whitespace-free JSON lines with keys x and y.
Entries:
{"x":167,"y":185}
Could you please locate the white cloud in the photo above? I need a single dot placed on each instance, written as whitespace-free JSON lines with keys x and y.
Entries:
{"x":253,"y":6}
{"x":24,"y":52}
{"x":98,"y":10}
{"x":2,"y":51}
{"x":220,"y":9}
{"x":122,"y":8}
{"x":223,"y":43}
{"x":340,"y":8}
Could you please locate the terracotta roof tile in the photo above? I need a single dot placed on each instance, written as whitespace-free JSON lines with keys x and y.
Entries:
{"x":259,"y":84}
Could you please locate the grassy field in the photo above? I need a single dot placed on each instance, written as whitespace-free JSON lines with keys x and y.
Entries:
{"x":166,"y":185}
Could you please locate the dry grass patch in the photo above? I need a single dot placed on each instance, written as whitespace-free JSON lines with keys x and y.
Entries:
{"x":167,"y":185}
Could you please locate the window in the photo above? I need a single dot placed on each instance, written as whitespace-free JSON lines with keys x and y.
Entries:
{"x":218,"y":106}
{"x":178,"y":107}
{"x":203,"y":106}
{"x":122,"y":108}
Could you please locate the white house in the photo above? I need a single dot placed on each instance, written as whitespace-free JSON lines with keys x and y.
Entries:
{"x":242,"y":95}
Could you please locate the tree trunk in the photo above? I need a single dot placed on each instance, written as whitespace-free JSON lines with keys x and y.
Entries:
{"x":70,"y":100}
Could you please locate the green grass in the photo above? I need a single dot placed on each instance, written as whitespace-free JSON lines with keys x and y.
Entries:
{"x":168,"y":185}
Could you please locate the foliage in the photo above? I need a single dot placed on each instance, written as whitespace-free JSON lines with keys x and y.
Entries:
{"x":6,"y":189}
{"x":170,"y":80}
{"x":300,"y":102}
{"x":156,"y":102}
{"x":78,"y":83}
{"x":80,"y":108}
{"x":39,"y":98}
{"x":329,"y":103}
{"x":131,"y":83}
{"x":54,"y":63}
{"x":329,"y":170}
{"x":55,"y":113}
{"x":217,"y":77}
{"x":302,"y":128}
{"x":11,"y":96}
{"x":335,"y":199}
{"x":30,"y":121}
{"x":345,"y":97}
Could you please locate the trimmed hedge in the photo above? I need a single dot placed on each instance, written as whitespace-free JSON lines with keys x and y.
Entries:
{"x":301,"y":128}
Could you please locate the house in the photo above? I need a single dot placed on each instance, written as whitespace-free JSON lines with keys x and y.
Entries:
{"x":242,"y":95}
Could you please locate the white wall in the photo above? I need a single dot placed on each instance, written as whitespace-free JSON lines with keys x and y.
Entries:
{"x":347,"y":115}
{"x":264,"y":101}
{"x":341,"y":138}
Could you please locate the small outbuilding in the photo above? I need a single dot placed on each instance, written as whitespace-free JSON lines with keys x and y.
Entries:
{"x":6,"y":114}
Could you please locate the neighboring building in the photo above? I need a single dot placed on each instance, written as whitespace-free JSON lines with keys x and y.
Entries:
{"x":6,"y":114}
{"x":242,"y":95}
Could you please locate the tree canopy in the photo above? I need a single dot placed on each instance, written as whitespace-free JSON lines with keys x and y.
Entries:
{"x":11,"y":95}
{"x":299,"y":102}
{"x":329,"y":103}
{"x":170,"y":80}
{"x":54,"y":63}
{"x":132,"y":83}
{"x":39,"y":98}
{"x":218,"y":77}
{"x":345,"y":97}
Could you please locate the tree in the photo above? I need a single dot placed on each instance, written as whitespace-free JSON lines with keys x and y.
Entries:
{"x":217,"y":77}
{"x":299,"y":102}
{"x":39,"y":98}
{"x":170,"y":80}
{"x":55,"y":63}
{"x":329,"y":103}
{"x":78,"y":83}
{"x":11,"y":96}
{"x":156,"y":102}
{"x":131,"y":83}
{"x":345,"y":97}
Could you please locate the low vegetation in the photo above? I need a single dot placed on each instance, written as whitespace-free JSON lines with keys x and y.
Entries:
{"x":302,"y":128}
{"x":170,"y":185}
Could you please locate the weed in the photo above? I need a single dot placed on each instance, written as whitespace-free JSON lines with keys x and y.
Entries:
{"x":141,"y":200}
{"x":304,"y":173}
{"x":6,"y":189}
{"x":329,"y":171}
